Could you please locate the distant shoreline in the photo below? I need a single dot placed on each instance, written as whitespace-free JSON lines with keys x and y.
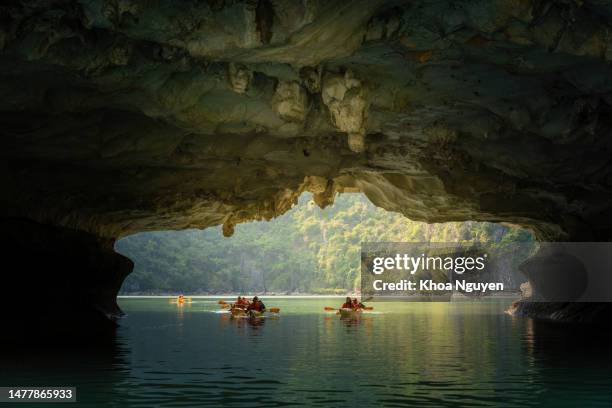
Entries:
{"x":456,"y":297}
{"x":234,"y":296}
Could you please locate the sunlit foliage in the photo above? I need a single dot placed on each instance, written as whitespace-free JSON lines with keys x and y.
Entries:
{"x":307,"y":250}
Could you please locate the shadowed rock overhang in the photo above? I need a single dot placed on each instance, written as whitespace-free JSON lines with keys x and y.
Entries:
{"x":121,"y":116}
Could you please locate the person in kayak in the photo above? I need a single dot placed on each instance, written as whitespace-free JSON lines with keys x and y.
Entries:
{"x":348,"y":304}
{"x":355,"y":304}
{"x":241,"y":303}
{"x":257,"y":305}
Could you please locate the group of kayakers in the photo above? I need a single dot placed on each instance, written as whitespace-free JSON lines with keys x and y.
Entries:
{"x":255,"y":304}
{"x":352,"y":304}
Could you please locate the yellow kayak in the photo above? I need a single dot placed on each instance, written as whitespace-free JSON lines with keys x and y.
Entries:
{"x":238,"y":312}
{"x":182,"y":300}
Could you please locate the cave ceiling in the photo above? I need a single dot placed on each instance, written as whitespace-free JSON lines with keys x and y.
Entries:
{"x":120,"y":116}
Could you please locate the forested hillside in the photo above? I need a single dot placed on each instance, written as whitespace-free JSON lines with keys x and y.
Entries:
{"x":307,"y":250}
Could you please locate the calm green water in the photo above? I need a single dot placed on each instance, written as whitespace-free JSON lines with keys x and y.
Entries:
{"x":406,"y":354}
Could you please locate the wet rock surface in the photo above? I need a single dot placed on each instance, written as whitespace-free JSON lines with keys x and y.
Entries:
{"x":563,"y":311}
{"x":123,"y":116}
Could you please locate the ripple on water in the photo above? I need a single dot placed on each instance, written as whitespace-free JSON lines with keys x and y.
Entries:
{"x":406,"y":355}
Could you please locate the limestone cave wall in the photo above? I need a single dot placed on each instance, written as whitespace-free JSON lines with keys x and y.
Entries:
{"x":121,"y":116}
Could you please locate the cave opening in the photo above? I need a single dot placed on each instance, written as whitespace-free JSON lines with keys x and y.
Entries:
{"x":122,"y":119}
{"x":306,"y":251}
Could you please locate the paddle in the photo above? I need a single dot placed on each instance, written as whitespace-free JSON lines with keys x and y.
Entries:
{"x":274,"y":310}
{"x":222,"y":302}
{"x":226,"y":306}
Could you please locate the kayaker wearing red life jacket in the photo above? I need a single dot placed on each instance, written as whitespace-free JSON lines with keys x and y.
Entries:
{"x":241,"y":303}
{"x":348,"y":304}
{"x":357,"y":304}
{"x":257,"y":305}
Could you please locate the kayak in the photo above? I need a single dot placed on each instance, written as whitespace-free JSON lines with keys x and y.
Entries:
{"x":352,"y":313}
{"x":238,"y":312}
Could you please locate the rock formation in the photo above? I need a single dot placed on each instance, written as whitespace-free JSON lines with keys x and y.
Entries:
{"x":120,"y":116}
{"x":345,"y":98}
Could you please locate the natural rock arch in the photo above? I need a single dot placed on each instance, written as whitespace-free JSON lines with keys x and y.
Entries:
{"x":118,"y":118}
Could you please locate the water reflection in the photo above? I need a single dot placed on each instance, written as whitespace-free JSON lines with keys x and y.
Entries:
{"x":95,"y":366}
{"x":245,"y":322}
{"x":559,"y":345}
{"x":407,"y":355}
